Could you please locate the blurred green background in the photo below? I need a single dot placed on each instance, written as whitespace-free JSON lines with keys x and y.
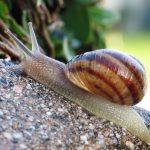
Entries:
{"x":65,"y":28}
{"x":138,"y":45}
{"x":132,"y":33}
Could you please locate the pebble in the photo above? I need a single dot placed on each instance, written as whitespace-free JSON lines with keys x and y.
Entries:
{"x":118,"y":136}
{"x":6,"y":112}
{"x":29,"y":134}
{"x":112,"y":135}
{"x":84,"y":137}
{"x":48,"y":113}
{"x":3,"y":70}
{"x":5,"y":125}
{"x":80,"y":127}
{"x":101,"y":136}
{"x":7,"y":135}
{"x":8,"y":117}
{"x":28,"y":87}
{"x":23,"y":146}
{"x":130,"y":145}
{"x":31,"y":118}
{"x":60,"y":110}
{"x":44,"y":136}
{"x":43,"y":106}
{"x":91,"y":126}
{"x":17,"y":135}
{"x":15,"y":125}
{"x":50,"y":104}
{"x":8,"y":96}
{"x":106,"y":133}
{"x":18,"y":88}
{"x":1,"y":113}
{"x":59,"y":142}
{"x":101,"y":142}
{"x":46,"y":109}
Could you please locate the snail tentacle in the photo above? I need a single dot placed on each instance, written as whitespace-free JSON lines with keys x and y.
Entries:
{"x":26,"y":51}
{"x":35,"y":46}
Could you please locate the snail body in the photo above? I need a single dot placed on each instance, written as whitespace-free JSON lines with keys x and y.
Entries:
{"x":66,"y":80}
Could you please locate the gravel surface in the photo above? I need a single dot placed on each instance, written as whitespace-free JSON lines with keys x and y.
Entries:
{"x":35,"y":117}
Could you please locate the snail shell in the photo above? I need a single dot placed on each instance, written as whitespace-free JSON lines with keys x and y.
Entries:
{"x":111,"y":74}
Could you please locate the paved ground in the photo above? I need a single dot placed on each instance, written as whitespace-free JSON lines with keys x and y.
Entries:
{"x":34,"y":117}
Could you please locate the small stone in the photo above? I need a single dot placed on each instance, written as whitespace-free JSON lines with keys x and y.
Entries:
{"x":106,"y":133}
{"x":3,"y":70}
{"x":84,"y":137}
{"x":50,"y":104}
{"x":111,"y":123}
{"x":23,"y":146}
{"x":59,"y":142}
{"x":97,"y":147}
{"x":6,"y":112}
{"x":1,"y":113}
{"x":29,"y":134}
{"x":60,"y":110}
{"x":42,"y":105}
{"x":111,"y":135}
{"x":8,"y":117}
{"x":30,"y":107}
{"x":114,"y":141}
{"x":91,"y":126}
{"x":31,"y":118}
{"x":46,"y":109}
{"x":28,"y":87}
{"x":18,"y":88}
{"x":80,"y":127}
{"x":118,"y":136}
{"x":101,"y":142}
{"x":5,"y":125}
{"x":45,"y":136}
{"x":130,"y":145}
{"x":7,"y":135}
{"x":48,"y":113}
{"x":17,"y":135}
{"x":8,"y":96}
{"x":15,"y":125}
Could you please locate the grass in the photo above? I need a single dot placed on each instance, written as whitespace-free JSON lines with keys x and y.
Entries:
{"x":137,"y":45}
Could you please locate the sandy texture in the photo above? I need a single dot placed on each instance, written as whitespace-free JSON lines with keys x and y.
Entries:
{"x":35,"y":117}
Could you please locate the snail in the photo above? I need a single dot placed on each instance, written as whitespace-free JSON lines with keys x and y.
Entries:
{"x":105,"y":82}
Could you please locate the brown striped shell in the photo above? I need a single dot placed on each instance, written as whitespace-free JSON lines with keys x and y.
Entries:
{"x":114,"y":75}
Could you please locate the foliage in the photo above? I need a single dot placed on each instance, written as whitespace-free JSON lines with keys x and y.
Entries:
{"x":64,"y":27}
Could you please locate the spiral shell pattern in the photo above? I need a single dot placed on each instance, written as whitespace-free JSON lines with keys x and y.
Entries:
{"x":114,"y":75}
